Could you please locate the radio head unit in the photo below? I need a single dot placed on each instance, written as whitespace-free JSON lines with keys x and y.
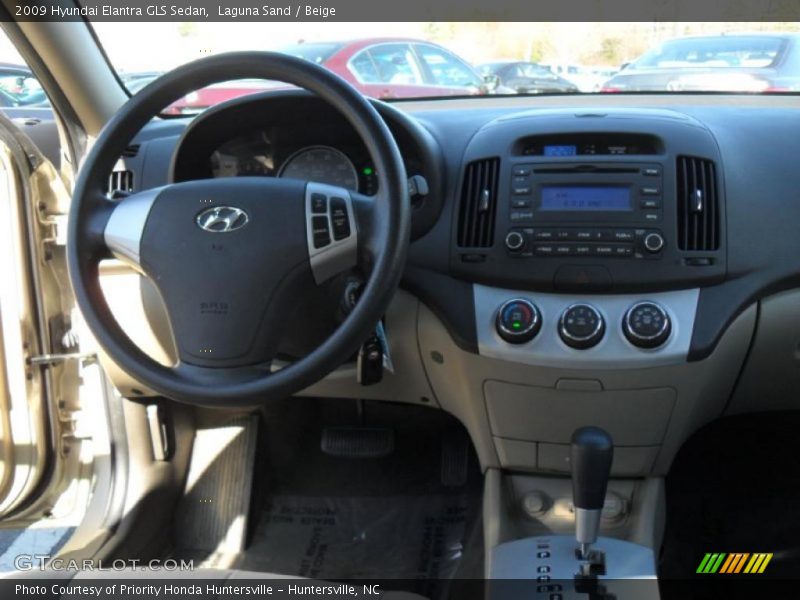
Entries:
{"x":586,"y":193}
{"x":618,"y":201}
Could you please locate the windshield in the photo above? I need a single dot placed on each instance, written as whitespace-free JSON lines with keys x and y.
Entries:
{"x":436,"y":60}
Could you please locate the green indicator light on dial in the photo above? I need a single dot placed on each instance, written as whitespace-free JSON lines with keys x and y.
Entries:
{"x":368,"y":171}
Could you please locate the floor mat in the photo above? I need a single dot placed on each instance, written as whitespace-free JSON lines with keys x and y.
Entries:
{"x":735,"y":487}
{"x":412,"y":537}
{"x":410,"y":515}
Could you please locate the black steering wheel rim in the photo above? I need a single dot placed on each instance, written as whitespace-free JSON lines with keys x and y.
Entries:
{"x":90,"y":211}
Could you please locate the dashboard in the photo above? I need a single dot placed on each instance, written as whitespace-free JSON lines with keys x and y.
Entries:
{"x":613,"y":260}
{"x":554,"y":205}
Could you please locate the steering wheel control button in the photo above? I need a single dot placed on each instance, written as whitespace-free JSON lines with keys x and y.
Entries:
{"x":515,"y":241}
{"x":646,"y":325}
{"x":581,"y":326}
{"x":319,"y":204}
{"x":653,"y":242}
{"x":320,"y":231}
{"x":518,"y":321}
{"x":332,"y":235}
{"x":339,"y":218}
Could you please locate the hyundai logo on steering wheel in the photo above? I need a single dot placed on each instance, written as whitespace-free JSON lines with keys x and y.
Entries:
{"x":222,"y":219}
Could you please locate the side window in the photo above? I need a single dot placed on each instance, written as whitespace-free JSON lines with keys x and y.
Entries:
{"x":517,"y":71}
{"x":536,"y":71}
{"x":18,"y":86}
{"x":445,"y":68}
{"x":364,"y":68}
{"x":394,"y":63}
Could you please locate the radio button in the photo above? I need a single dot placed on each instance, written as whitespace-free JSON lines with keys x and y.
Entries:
{"x":564,"y":250}
{"x":543,"y":234}
{"x":582,"y":250}
{"x":651,"y":191}
{"x":520,"y":180}
{"x":521,"y":215}
{"x":522,"y":190}
{"x":521,"y":171}
{"x":651,"y":171}
{"x":563,"y":234}
{"x":652,"y":217}
{"x":650,"y":203}
{"x":584,"y":235}
{"x":623,"y":250}
{"x":515,"y":241}
{"x":623,"y":235}
{"x":543,"y":249}
{"x":653,"y":242}
{"x":604,"y":250}
{"x":602,"y":235}
{"x":520,"y":203}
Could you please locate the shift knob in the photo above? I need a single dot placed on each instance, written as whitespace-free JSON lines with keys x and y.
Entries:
{"x":590,"y":456}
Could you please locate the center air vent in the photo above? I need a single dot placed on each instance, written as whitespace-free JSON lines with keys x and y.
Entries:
{"x":698,"y":204}
{"x":478,"y":204}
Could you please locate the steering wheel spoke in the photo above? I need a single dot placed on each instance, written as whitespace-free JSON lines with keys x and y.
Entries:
{"x":125,"y":227}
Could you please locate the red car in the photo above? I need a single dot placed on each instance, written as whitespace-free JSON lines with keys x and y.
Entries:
{"x":377,"y":67}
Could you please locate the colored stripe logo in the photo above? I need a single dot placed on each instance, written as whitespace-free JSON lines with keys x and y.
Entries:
{"x":736,"y":562}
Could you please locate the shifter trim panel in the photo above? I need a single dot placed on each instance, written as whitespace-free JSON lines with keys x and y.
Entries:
{"x":552,"y":561}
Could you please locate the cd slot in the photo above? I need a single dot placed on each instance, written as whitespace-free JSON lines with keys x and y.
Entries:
{"x":582,"y":169}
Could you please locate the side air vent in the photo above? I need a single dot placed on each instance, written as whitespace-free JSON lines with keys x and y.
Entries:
{"x":478,"y":204}
{"x":120,"y":181}
{"x":698,"y":204}
{"x":131,"y":151}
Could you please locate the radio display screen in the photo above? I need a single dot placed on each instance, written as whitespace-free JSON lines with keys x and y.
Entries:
{"x":561,"y":150}
{"x":585,"y":197}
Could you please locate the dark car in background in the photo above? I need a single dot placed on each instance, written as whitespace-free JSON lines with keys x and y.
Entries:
{"x":724,"y":63}
{"x":527,"y":78}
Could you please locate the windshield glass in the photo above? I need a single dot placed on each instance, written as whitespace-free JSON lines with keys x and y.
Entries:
{"x":428,"y":60}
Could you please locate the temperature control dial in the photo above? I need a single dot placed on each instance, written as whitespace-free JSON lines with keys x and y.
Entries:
{"x":581,"y":326}
{"x":518,"y":321}
{"x":646,"y":325}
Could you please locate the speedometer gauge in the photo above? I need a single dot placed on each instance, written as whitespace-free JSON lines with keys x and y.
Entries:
{"x":321,"y":164}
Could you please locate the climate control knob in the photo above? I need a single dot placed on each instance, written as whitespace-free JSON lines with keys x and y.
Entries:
{"x":646,"y":325}
{"x":653,"y":242}
{"x":515,"y":241}
{"x":518,"y":321}
{"x":581,"y":326}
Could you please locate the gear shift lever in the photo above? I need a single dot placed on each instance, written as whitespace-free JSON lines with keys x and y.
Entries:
{"x":590,"y":455}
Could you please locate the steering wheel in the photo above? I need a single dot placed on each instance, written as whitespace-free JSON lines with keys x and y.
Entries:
{"x":230,"y":256}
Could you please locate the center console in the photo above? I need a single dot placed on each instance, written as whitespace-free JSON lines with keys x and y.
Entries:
{"x":584,"y":239}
